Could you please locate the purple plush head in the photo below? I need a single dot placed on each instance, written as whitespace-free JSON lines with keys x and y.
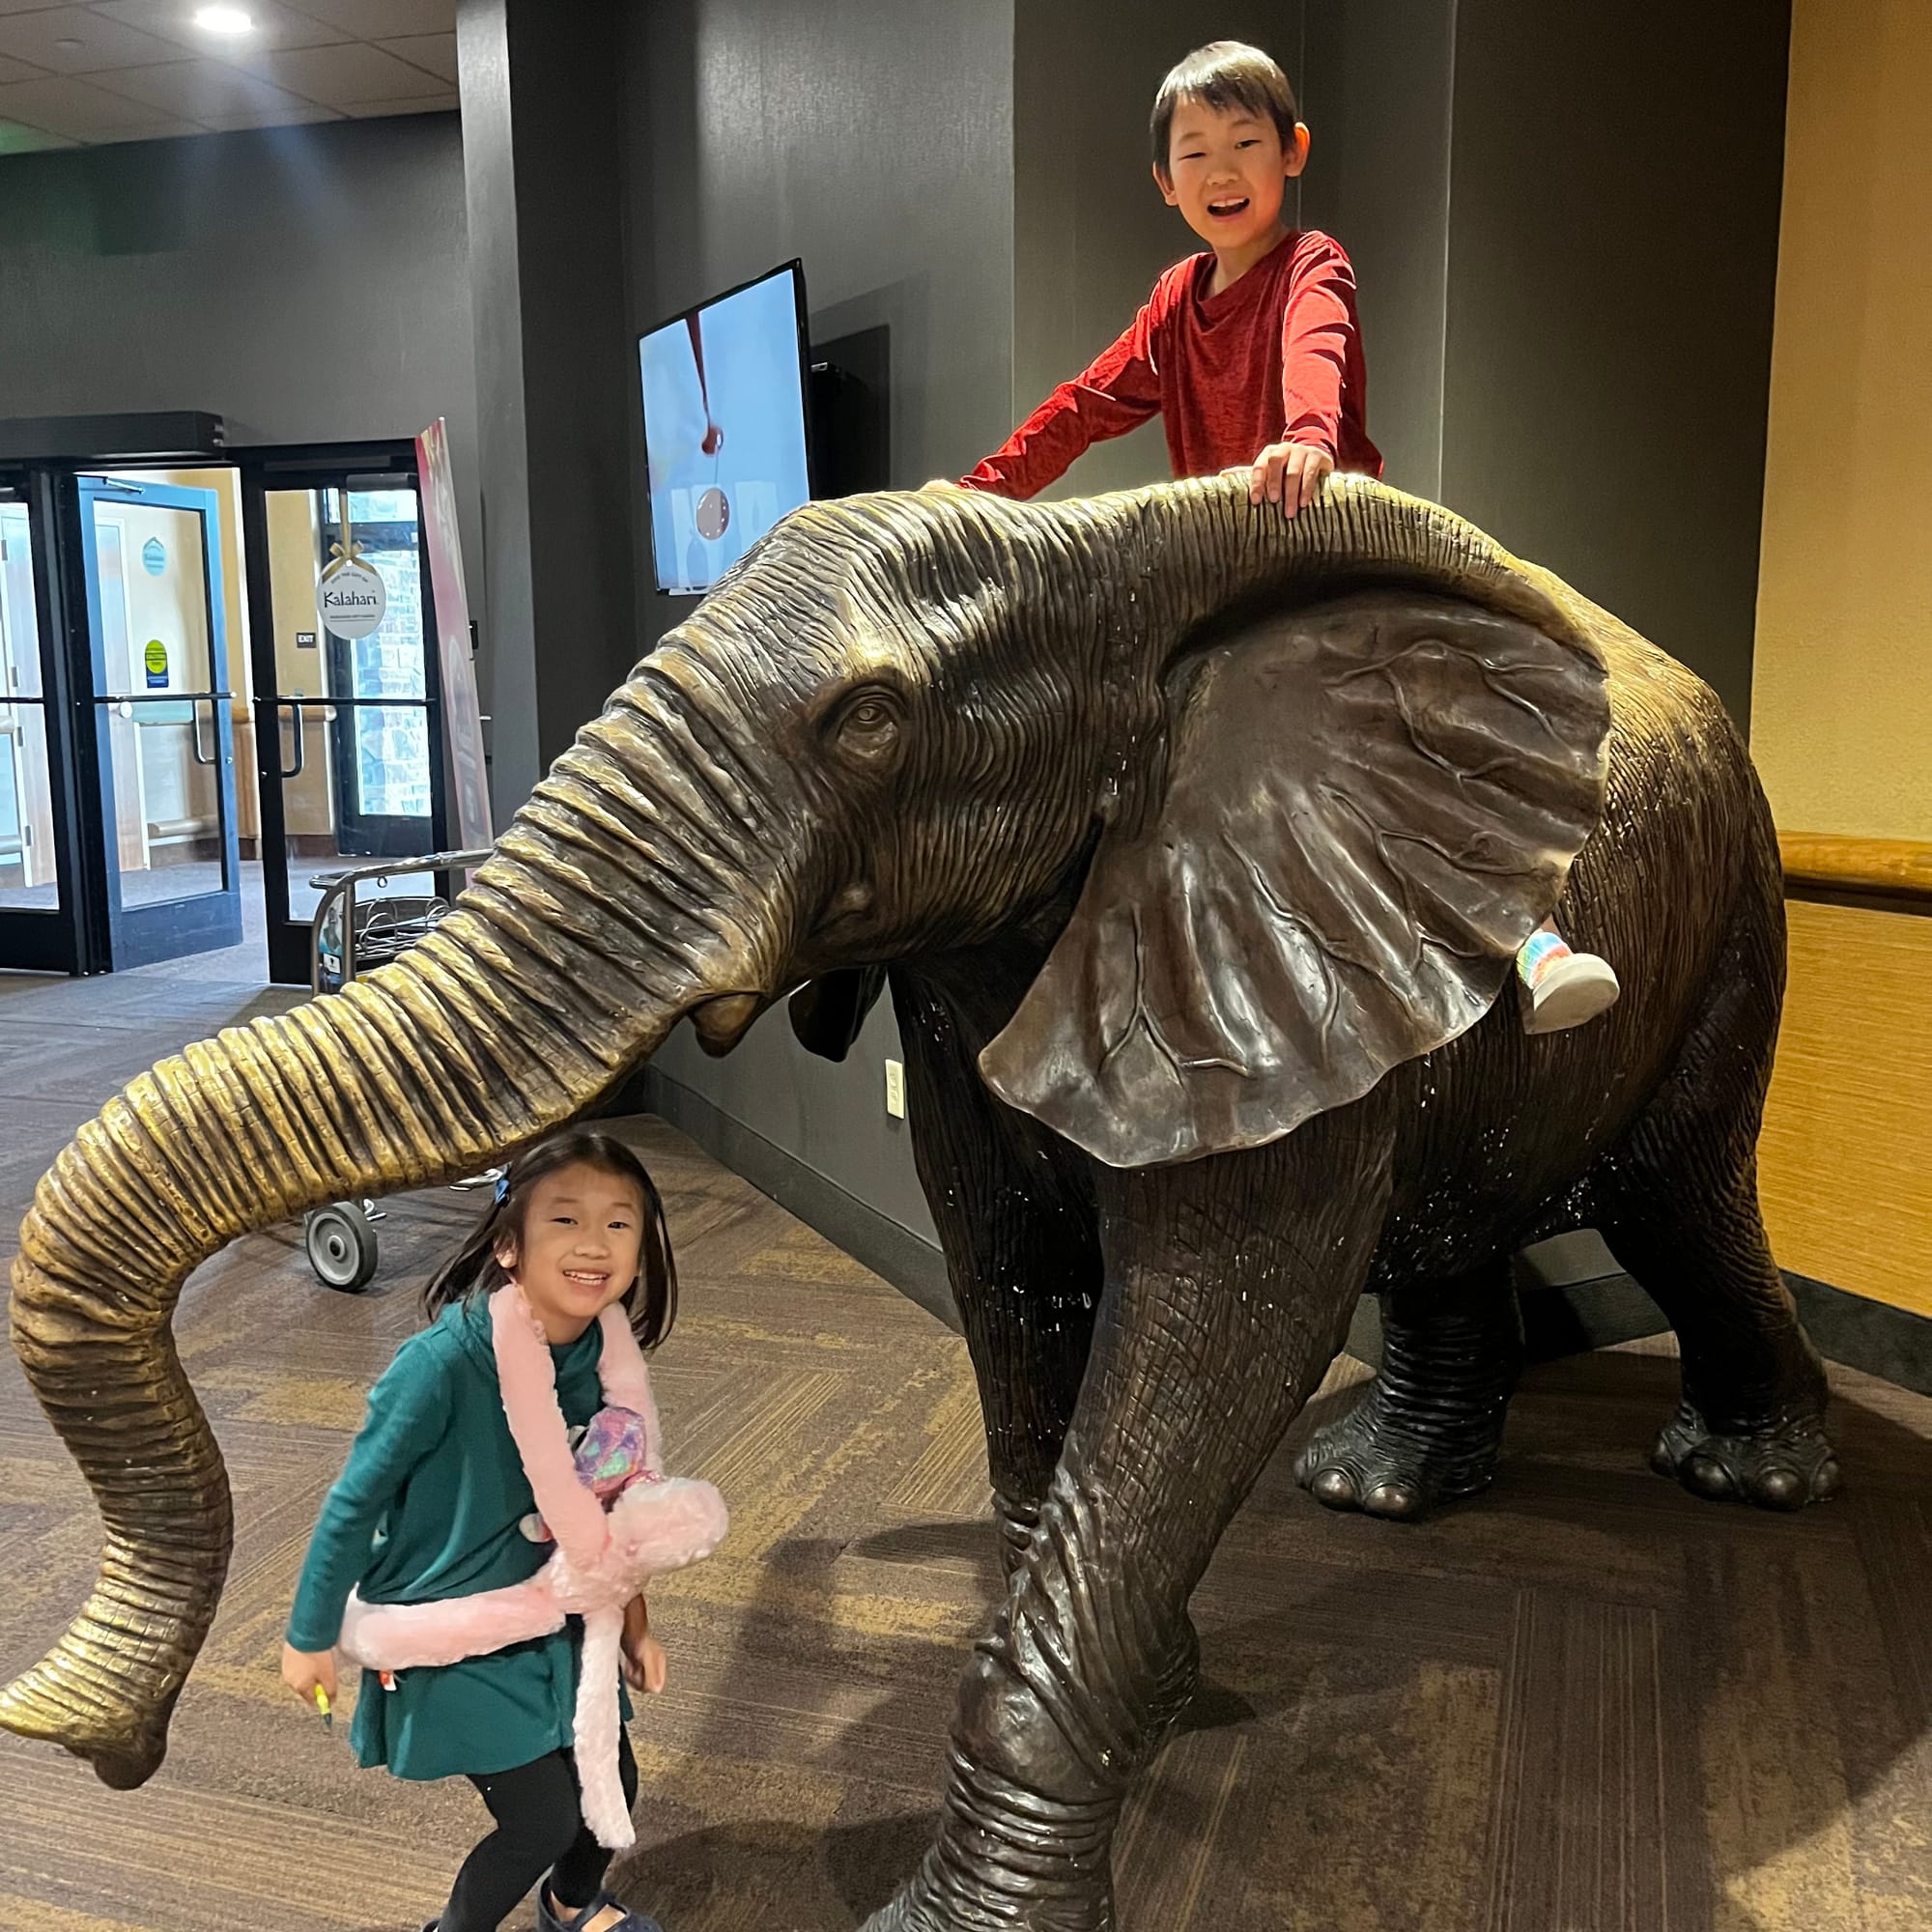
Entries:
{"x":610,"y":1453}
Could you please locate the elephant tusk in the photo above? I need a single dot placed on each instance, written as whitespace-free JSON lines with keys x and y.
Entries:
{"x":722,"y":1023}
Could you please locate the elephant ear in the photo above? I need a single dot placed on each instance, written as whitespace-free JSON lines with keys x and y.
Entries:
{"x":1369,"y":805}
{"x":828,"y":1013}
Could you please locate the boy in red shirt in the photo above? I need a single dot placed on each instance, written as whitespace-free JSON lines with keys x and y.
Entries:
{"x":1251,"y":346}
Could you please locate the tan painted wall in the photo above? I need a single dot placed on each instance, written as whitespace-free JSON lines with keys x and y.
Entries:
{"x":1841,"y":719}
{"x":1841,"y":715}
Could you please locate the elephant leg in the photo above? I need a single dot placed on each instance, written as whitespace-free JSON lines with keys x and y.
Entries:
{"x":1750,"y":1426}
{"x":1431,"y":1424}
{"x":1016,"y":1224}
{"x":1678,"y":1205}
{"x":1230,"y":1284}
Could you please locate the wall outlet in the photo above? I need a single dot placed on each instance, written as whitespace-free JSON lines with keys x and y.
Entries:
{"x":895,"y":1088}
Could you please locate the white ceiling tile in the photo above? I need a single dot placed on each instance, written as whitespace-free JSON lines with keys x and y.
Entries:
{"x":201,"y":90}
{"x":434,"y":54}
{"x":17,"y":139}
{"x":426,"y":103}
{"x":70,"y":39}
{"x":382,"y":20}
{"x":24,"y":5}
{"x":345,"y":76}
{"x":62,"y":106}
{"x":18,"y":70}
{"x":276,"y":26}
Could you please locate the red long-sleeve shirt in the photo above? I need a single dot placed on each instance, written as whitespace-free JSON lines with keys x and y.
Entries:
{"x":1277,"y":357}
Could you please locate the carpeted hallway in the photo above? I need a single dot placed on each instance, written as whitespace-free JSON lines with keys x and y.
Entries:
{"x":1583,"y":1703}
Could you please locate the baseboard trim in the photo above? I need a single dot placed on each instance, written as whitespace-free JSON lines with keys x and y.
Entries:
{"x":1558,"y":1321}
{"x":1870,"y":1336}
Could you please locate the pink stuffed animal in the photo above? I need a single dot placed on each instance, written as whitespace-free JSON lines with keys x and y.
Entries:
{"x":655,"y":1523}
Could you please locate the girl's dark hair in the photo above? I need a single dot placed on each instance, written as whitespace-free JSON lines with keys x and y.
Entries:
{"x":1229,"y":76}
{"x":475,"y":1269}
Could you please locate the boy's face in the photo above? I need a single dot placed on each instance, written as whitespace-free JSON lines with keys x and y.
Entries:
{"x":1227,"y":173}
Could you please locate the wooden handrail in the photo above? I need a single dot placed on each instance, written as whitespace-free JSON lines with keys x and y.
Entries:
{"x":1893,"y":868}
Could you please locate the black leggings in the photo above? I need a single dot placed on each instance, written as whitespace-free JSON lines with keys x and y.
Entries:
{"x":540,"y":1829}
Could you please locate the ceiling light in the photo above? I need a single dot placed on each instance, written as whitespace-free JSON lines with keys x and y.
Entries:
{"x":223,"y":21}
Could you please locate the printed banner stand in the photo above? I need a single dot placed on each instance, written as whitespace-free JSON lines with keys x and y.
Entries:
{"x":462,"y":718}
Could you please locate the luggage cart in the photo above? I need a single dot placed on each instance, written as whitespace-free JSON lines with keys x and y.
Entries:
{"x":349,"y":936}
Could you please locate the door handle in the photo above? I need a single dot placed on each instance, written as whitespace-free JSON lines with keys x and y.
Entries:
{"x":291,"y":705}
{"x":195,"y":718}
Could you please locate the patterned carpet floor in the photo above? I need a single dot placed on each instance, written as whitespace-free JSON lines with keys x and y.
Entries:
{"x":1581,"y":1703}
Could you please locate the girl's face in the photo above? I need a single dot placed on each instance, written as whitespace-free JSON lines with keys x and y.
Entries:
{"x":582,"y":1230}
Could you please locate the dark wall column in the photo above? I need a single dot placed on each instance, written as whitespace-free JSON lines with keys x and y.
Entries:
{"x":1615,"y":188}
{"x":543,"y":128}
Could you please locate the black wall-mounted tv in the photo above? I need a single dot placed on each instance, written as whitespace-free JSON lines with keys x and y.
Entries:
{"x":726,"y":438}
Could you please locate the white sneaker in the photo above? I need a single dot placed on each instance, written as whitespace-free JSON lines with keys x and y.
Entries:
{"x":1570,"y":989}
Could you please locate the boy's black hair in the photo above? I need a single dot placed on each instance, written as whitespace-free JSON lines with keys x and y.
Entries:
{"x":1228,"y":77}
{"x":475,"y":1269}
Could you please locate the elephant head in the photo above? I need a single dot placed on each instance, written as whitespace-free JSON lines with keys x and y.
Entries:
{"x":901,"y":723}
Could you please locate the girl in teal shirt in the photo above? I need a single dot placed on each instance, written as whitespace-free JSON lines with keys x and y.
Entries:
{"x":432,"y":1504}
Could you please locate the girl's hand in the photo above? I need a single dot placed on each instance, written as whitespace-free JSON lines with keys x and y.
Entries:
{"x":644,"y":1663}
{"x":644,"y":1656}
{"x":303,"y":1671}
{"x":1288,"y":473}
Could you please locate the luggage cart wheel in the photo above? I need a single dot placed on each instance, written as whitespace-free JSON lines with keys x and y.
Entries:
{"x":341,"y":1241}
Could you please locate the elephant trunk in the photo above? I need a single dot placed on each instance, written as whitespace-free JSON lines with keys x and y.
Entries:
{"x":578,"y":947}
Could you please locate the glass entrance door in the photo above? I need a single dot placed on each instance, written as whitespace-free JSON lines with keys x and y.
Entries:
{"x":163,"y":722}
{"x":39,"y":915}
{"x":348,"y":711}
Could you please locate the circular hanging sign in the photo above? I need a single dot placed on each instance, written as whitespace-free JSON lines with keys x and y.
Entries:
{"x":714,"y":514}
{"x":154,"y":556}
{"x":352,"y":598}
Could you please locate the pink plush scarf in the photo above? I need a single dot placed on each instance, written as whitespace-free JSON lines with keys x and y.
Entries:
{"x":602,"y":1558}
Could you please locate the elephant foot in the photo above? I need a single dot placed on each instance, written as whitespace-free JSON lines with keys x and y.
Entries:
{"x":1370,"y":1461}
{"x":1783,"y":1468}
{"x":936,"y":1902}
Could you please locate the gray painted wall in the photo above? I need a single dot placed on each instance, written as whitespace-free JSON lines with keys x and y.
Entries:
{"x":1375,"y":92}
{"x":1611,"y":275}
{"x":306,"y":284}
{"x":872,"y":140}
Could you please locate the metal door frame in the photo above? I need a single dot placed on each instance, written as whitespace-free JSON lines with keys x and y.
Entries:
{"x":317,"y":466}
{"x":69,"y":938}
{"x":171,"y":928}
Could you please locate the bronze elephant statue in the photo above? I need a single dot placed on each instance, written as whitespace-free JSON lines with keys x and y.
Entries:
{"x":1199,"y":844}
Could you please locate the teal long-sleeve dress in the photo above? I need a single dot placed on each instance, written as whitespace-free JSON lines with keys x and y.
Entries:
{"x":429,"y":1506}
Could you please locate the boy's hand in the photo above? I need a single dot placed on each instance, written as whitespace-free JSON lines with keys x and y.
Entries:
{"x":303,"y":1670}
{"x":644,"y":1655}
{"x":1288,"y":473}
{"x":945,"y":483}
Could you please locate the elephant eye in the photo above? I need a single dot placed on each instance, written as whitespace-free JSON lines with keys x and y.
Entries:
{"x":868,"y":726}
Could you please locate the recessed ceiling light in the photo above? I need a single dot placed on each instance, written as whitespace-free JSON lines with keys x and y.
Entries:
{"x":223,"y":21}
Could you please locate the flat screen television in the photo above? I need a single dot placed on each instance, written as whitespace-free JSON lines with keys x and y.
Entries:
{"x":725,"y":436}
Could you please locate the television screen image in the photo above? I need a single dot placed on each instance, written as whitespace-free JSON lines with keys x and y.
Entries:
{"x":725,"y":430}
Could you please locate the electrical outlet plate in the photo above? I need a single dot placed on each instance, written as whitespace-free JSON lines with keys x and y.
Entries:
{"x":895,"y":1088}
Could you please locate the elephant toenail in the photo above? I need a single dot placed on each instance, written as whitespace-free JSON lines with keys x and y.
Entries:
{"x":1780,"y":1489}
{"x":1826,"y":1482}
{"x":1707,"y":1477}
{"x":1335,"y":1487}
{"x":1394,"y":1499}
